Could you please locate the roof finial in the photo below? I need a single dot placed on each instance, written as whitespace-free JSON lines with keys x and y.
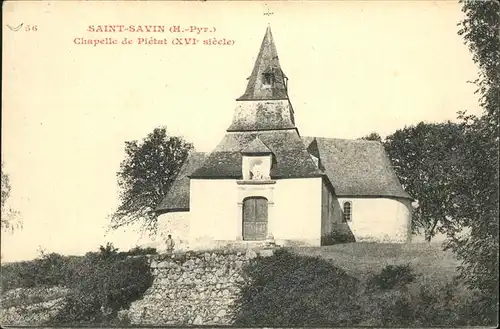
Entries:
{"x":268,"y":13}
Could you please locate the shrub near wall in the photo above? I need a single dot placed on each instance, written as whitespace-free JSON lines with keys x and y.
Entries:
{"x":46,"y":271}
{"x":102,"y":286}
{"x":290,"y":290}
{"x":74,"y":289}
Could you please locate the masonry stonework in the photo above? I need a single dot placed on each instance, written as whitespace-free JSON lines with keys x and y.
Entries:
{"x":200,"y":289}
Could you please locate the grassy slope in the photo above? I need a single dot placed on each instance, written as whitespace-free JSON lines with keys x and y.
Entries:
{"x":359,"y":260}
{"x":434,"y":298}
{"x":362,"y":260}
{"x":304,"y":288}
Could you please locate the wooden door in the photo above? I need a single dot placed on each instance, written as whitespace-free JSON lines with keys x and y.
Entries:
{"x":255,"y":218}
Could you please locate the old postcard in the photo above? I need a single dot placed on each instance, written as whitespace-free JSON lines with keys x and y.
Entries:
{"x":250,"y":164}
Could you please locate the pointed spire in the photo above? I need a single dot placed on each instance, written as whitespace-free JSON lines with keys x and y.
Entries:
{"x":267,"y":81}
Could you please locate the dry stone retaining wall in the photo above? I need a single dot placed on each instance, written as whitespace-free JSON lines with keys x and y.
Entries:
{"x":193,"y":289}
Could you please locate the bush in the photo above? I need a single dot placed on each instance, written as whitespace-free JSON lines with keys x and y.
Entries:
{"x":424,"y":307}
{"x":475,"y":310}
{"x":339,"y":234}
{"x":138,"y":251}
{"x":289,"y":290}
{"x":104,"y":283}
{"x":392,"y":276}
{"x":299,"y":291}
{"x":100,"y":283}
{"x":46,"y":271}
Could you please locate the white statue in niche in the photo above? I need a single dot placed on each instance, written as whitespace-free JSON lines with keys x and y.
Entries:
{"x":258,"y":172}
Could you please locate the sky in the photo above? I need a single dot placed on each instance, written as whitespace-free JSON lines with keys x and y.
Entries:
{"x":354,"y":67}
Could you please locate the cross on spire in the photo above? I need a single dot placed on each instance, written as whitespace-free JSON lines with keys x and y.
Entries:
{"x":268,"y":13}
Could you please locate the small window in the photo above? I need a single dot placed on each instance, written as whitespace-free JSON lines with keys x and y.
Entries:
{"x":347,"y":212}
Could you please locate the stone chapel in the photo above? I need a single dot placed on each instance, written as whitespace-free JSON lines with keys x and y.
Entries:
{"x":266,"y":182}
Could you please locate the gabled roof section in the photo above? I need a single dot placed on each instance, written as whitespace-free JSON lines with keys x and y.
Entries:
{"x":291,"y":157}
{"x":256,"y":147}
{"x":177,"y":197}
{"x":357,"y":167}
{"x":267,"y":62}
{"x":313,"y":150}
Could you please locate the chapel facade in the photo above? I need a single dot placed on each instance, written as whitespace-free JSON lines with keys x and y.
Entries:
{"x":266,"y":182}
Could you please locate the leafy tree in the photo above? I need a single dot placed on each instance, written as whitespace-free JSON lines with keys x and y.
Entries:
{"x":108,"y":251}
{"x":477,"y":208}
{"x":145,"y":176}
{"x":480,"y":30}
{"x":9,"y":217}
{"x":372,"y":137}
{"x":426,"y":160}
{"x":479,"y":250}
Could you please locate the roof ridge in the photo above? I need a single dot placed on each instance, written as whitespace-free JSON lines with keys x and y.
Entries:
{"x":360,"y":140}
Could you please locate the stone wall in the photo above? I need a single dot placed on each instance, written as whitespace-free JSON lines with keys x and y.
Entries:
{"x":193,"y":289}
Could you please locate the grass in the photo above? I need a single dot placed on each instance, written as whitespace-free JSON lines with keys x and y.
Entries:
{"x":362,"y":260}
{"x":309,"y":285}
{"x":356,"y":284}
{"x":434,"y":268}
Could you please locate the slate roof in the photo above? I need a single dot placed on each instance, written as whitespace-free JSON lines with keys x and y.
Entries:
{"x":357,"y":167}
{"x":291,"y":157}
{"x":177,"y":197}
{"x":256,"y":147}
{"x":267,"y":62}
{"x":354,"y":167}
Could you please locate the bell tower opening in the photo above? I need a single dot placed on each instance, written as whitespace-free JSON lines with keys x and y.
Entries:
{"x":265,"y":105}
{"x":268,"y":79}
